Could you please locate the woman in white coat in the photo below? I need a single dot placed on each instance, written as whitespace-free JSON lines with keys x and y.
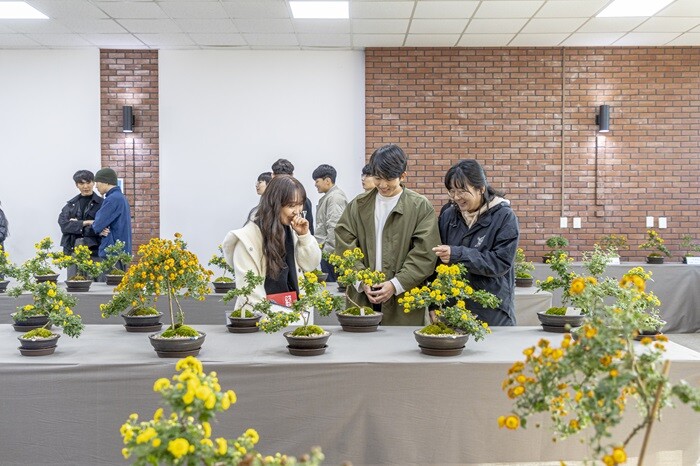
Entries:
{"x":277,"y":245}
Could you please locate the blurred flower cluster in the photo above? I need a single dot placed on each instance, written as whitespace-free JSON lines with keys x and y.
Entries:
{"x":656,"y":244}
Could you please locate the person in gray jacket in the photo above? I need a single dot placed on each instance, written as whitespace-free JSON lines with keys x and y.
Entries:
{"x":480,"y":231}
{"x":328,"y":211}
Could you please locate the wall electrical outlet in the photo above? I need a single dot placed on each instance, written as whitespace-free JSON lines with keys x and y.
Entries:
{"x":577,"y":222}
{"x":662,"y":222}
{"x":650,"y":222}
{"x":563,"y":222}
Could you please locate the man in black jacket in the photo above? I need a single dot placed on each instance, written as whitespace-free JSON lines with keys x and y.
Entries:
{"x":77,"y":216}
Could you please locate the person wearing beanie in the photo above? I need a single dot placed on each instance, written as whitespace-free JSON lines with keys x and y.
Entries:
{"x":113,"y":220}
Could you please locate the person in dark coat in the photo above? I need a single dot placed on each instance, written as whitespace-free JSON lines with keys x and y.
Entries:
{"x":480,"y":231}
{"x":113,"y":220}
{"x":77,"y":215}
{"x":4,"y":233}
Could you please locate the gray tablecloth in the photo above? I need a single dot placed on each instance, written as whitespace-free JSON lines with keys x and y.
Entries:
{"x":677,"y":286}
{"x":371,"y":399}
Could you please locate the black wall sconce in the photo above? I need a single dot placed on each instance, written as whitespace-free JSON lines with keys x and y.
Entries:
{"x":603,"y":119}
{"x":128,"y":120}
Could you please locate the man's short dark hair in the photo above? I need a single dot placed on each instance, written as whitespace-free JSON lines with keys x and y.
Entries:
{"x":367,"y":170}
{"x":388,"y":162}
{"x":325,"y":171}
{"x":265,"y":176}
{"x":283,"y":167}
{"x":84,"y":176}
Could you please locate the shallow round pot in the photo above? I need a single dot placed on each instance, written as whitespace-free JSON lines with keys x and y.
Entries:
{"x":39,"y":343}
{"x":322,"y":277}
{"x":3,"y":285}
{"x":46,"y":278}
{"x":560,"y":321}
{"x":113,"y":280}
{"x":244,"y":324}
{"x":223,"y":287}
{"x":441,"y":342}
{"x":523,"y":282}
{"x":78,"y":286}
{"x":142,"y":321}
{"x":33,"y":321}
{"x":314,"y":341}
{"x":368,"y":323}
{"x":655,"y":260}
{"x":176,"y":345}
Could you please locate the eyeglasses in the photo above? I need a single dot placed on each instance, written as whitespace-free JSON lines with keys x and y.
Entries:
{"x":458,"y":193}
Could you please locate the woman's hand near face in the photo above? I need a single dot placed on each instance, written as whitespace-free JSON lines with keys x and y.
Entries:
{"x":300,"y":225}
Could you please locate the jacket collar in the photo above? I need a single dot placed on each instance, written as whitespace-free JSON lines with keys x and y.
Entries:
{"x":366,"y":200}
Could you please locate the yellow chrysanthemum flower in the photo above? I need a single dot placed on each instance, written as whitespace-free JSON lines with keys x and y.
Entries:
{"x":178,"y":447}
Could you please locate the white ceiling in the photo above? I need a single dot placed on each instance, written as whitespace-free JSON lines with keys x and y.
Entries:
{"x":267,"y":24}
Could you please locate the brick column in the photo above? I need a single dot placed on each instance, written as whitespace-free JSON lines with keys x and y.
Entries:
{"x":130,"y":77}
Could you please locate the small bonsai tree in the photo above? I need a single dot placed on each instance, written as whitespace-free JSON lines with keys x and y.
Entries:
{"x":86,"y":267}
{"x":247,"y":308}
{"x":523,"y":268}
{"x":449,"y":294}
{"x":41,"y":263}
{"x":7,"y":267}
{"x":165,"y":267}
{"x":656,"y":244}
{"x":613,"y":243}
{"x":312,"y":295}
{"x":349,"y":271}
{"x":220,"y":261}
{"x":115,"y":254}
{"x":556,"y":244}
{"x":689,"y":245}
{"x":52,"y":302}
{"x":184,"y":437}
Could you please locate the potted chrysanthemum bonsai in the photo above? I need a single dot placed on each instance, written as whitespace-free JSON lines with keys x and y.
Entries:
{"x":692,"y":250}
{"x":349,"y":271}
{"x":656,"y":244}
{"x":448,"y":295}
{"x":556,"y":244}
{"x":87,"y":268}
{"x":523,"y":269}
{"x":40,"y":266}
{"x":307,"y":339}
{"x":165,"y":267}
{"x":222,"y":284}
{"x":116,"y":257}
{"x":52,"y":306}
{"x":245,"y":318}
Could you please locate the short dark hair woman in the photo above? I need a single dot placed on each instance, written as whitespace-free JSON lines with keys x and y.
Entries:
{"x":277,"y":244}
{"x":481,"y":231}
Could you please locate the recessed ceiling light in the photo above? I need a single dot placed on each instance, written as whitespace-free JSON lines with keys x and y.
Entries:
{"x":620,"y":8}
{"x":19,"y":10}
{"x":320,"y":10}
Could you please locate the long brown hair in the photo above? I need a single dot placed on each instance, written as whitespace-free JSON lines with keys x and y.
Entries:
{"x":282,"y":190}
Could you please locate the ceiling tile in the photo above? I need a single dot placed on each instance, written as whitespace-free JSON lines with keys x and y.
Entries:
{"x":611,"y":24}
{"x":193,"y":10}
{"x":324,"y":40}
{"x":68,"y":9}
{"x":36,"y":26}
{"x":218,"y":40}
{"x":131,"y":9}
{"x":537,"y":40}
{"x":150,"y":26}
{"x":114,"y":40}
{"x":380,"y":10}
{"x":444,"y":9}
{"x":689,"y":38}
{"x":489,"y":26}
{"x":508,"y":9}
{"x":207,"y":26}
{"x":378,"y":40}
{"x":323,"y":26}
{"x":485,"y":40}
{"x":431,"y":40}
{"x":59,"y":40}
{"x":379,"y":26}
{"x":588,"y":39}
{"x":668,"y":25}
{"x":571,"y":9}
{"x":437,"y":26}
{"x":165,"y":40}
{"x":646,"y":39}
{"x":682,"y":9}
{"x":271,"y":40}
{"x":93,"y":26}
{"x":256,"y":9}
{"x":263,"y":26}
{"x":13,"y":41}
{"x":551,"y":25}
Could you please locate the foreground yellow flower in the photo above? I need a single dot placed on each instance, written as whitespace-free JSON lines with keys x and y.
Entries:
{"x":619,"y":455}
{"x":222,"y":446}
{"x":577,"y":285}
{"x":161,"y":384}
{"x":512,"y":422}
{"x":178,"y":447}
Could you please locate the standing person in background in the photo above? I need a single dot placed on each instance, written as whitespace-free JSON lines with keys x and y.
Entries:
{"x":396,"y":228}
{"x":260,"y":186}
{"x":276,"y":245}
{"x":4,"y":228}
{"x":77,"y":216}
{"x":368,"y":181}
{"x":481,"y":231}
{"x":285,"y":167}
{"x":328,"y":211}
{"x":113,"y":220}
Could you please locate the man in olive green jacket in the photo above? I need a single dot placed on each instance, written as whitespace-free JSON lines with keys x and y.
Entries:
{"x":408,"y":231}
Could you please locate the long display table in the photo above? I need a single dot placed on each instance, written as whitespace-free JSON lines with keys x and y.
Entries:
{"x":371,"y":399}
{"x":677,"y":286}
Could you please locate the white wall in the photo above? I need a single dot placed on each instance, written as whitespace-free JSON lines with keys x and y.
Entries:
{"x":49,"y":129}
{"x":226,"y":116}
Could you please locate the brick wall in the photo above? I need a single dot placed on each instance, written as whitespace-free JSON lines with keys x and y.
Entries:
{"x":130,"y":77}
{"x":528,"y":115}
